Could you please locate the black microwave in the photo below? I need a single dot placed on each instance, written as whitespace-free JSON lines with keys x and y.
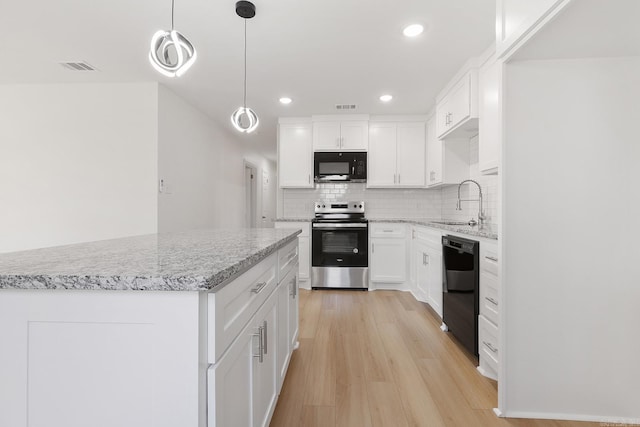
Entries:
{"x":340,"y":166}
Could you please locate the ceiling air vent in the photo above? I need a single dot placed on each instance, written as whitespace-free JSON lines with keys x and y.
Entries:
{"x":77,"y":66}
{"x":345,"y":106}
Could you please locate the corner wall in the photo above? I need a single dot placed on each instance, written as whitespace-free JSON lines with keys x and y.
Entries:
{"x":77,"y":163}
{"x":571,"y":255}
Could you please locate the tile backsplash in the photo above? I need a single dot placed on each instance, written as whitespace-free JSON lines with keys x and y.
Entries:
{"x":438,"y":203}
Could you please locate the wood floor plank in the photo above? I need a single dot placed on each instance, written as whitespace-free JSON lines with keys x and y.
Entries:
{"x":321,"y":384}
{"x":310,"y":316}
{"x":385,"y":405}
{"x":352,"y":405}
{"x":318,"y":416}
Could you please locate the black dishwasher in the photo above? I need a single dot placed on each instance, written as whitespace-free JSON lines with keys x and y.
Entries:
{"x":460,"y":299}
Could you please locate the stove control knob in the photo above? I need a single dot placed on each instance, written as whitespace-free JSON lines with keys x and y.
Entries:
{"x":318,"y":206}
{"x":355,"y":206}
{"x":324,"y":206}
{"x":361,"y":206}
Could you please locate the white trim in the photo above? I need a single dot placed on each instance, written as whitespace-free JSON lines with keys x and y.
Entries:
{"x":471,"y":64}
{"x":498,"y":412}
{"x":615,"y":420}
{"x":487,"y":373}
{"x":407,"y":118}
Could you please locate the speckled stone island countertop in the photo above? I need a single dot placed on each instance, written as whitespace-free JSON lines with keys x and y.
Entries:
{"x":294,"y":219}
{"x":487,"y":232}
{"x":200,"y":260}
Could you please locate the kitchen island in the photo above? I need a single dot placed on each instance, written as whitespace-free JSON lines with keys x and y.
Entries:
{"x":191,"y":329}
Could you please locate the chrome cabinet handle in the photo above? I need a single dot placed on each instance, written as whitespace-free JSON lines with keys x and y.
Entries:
{"x":490,"y":347}
{"x":394,"y":178}
{"x":264,"y":331}
{"x":309,"y":180}
{"x":492,"y":258}
{"x":373,"y":247}
{"x":258,"y":288}
{"x":491,"y":300}
{"x":398,"y":178}
{"x":293,"y":289}
{"x":426,"y":259}
{"x":387,"y":231}
{"x":260,"y":354}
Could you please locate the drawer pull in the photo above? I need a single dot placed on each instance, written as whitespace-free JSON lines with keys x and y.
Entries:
{"x":258,"y":288}
{"x":492,"y":301}
{"x":290,"y":257}
{"x":388,"y":231}
{"x":266,"y":340}
{"x":490,"y":347}
{"x":260,"y":354}
{"x":492,"y":258}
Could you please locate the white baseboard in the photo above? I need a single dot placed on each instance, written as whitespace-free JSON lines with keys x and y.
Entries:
{"x":304,"y":284}
{"x":487,"y":373}
{"x":498,"y":412}
{"x":612,"y":420}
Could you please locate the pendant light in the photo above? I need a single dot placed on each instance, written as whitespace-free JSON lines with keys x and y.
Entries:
{"x":171,"y":54}
{"x":245,"y":119}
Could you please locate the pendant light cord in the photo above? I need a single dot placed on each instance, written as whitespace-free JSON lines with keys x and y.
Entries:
{"x":245,"y":63}
{"x":173,"y":2}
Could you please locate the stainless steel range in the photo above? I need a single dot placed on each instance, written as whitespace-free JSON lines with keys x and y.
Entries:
{"x":340,"y":246}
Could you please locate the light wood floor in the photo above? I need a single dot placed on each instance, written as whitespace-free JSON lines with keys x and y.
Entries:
{"x":380,"y":359}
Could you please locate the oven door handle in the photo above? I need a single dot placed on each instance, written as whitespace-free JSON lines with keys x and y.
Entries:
{"x":340,"y":225}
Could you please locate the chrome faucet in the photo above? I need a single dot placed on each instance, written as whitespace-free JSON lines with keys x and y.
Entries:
{"x":481,"y":215}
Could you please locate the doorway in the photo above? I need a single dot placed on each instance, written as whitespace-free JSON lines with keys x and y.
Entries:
{"x":251,"y":194}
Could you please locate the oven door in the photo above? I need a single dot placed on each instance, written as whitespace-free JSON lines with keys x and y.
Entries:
{"x":339,"y":245}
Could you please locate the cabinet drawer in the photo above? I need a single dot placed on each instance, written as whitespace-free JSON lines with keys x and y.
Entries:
{"x":488,"y":346}
{"x":231,"y":308}
{"x":387,"y":230}
{"x":429,"y":236}
{"x":489,"y":258}
{"x":287,"y":259}
{"x":489,"y":297}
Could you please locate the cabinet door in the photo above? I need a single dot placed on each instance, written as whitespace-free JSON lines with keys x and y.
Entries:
{"x":434,"y":155}
{"x":304,"y":257}
{"x":460,"y":101}
{"x":388,"y":260}
{"x":434,"y":282}
{"x":264,"y":371}
{"x":293,"y":313}
{"x":490,"y":132}
{"x":282,"y":352}
{"x":441,"y":121}
{"x":354,"y":136}
{"x":230,"y":387}
{"x":411,"y":154}
{"x":295,"y":156}
{"x":381,"y":160}
{"x":422,"y":271}
{"x":326,"y":136}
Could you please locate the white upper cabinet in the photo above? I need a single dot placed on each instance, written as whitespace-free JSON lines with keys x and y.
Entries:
{"x":340,"y":135}
{"x":490,"y":126}
{"x":447,"y":160}
{"x":295,"y":155}
{"x":518,"y":20}
{"x":396,"y":154}
{"x":381,"y":160}
{"x":457,"y":110}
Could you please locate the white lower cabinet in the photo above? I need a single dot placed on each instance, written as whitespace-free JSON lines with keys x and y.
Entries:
{"x":304,"y":248}
{"x":489,"y":318}
{"x":245,"y":381}
{"x":427,"y":259}
{"x":388,"y":254}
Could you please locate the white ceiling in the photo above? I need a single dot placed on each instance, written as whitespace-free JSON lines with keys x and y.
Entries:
{"x":318,"y":52}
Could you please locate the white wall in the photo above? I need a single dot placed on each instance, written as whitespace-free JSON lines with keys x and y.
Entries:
{"x":571,"y":284}
{"x":78,"y":162}
{"x":202,"y":166}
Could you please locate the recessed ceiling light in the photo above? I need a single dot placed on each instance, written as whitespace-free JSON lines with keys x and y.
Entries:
{"x":285,"y":100}
{"x":413,"y":30}
{"x":386,"y":98}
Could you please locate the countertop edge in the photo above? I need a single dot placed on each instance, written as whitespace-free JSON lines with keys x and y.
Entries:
{"x":453,"y":228}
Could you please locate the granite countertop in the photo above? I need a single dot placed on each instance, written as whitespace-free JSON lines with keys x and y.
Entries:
{"x":200,"y":260}
{"x":294,"y":219}
{"x":487,"y":232}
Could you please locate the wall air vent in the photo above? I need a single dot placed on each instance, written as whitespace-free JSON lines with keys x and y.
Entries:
{"x":77,"y":66}
{"x":345,"y":106}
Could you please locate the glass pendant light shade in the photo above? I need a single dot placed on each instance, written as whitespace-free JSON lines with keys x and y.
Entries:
{"x":245,"y":120}
{"x":171,"y":54}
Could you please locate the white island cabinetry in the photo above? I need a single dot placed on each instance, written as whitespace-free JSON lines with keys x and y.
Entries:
{"x":172,"y":348}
